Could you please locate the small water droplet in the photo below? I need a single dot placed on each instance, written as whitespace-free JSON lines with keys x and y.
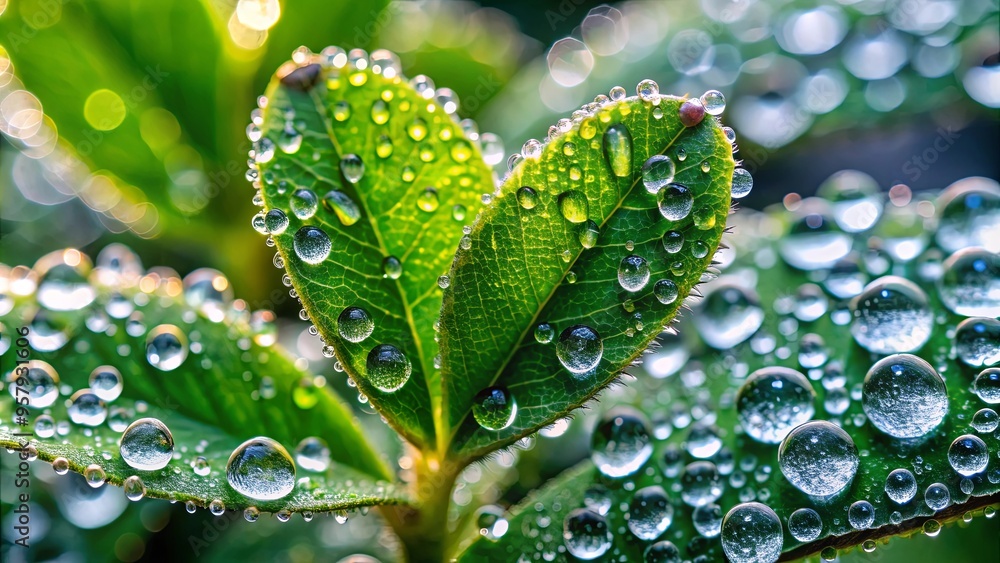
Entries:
{"x":494,"y":408}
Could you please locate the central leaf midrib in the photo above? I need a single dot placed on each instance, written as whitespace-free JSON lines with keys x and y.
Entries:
{"x":338,"y":153}
{"x":555,"y":288}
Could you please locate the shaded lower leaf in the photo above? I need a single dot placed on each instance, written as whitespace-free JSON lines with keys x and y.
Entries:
{"x":185,"y":354}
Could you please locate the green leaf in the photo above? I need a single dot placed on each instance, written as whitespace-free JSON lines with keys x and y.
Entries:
{"x":553,"y":255}
{"x":693,"y":402}
{"x":396,"y":178}
{"x":233,"y":384}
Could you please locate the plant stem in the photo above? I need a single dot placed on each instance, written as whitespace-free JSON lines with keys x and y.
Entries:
{"x":423,"y":528}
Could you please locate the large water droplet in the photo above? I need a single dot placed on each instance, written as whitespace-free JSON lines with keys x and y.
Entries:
{"x":662,"y":551}
{"x":275,"y":221}
{"x":861,"y":515}
{"x":86,"y":408}
{"x":657,"y":172}
{"x":714,"y":102}
{"x":650,"y":513}
{"x":891,"y":315}
{"x":573,"y":206}
{"x":311,"y":245}
{"x":209,"y":292}
{"x":904,"y":396}
{"x":106,"y":382}
{"x":707,"y":520}
{"x":621,"y":442}
{"x":352,"y":167}
{"x":937,"y":496}
{"x":166,"y":347}
{"x":147,"y":445}
{"x":342,"y":206}
{"x":633,"y":273}
{"x":494,"y":408}
{"x":728,"y":315}
{"x":987,"y":385}
{"x":742,"y":183}
{"x":901,"y":486}
{"x":968,"y":455}
{"x":586,"y":534}
{"x":618,"y":150}
{"x":701,"y":483}
{"x":355,"y":324}
{"x":675,"y":201}
{"x":818,"y":458}
{"x":388,"y":368}
{"x":977,"y":341}
{"x":312,"y":454}
{"x":772,"y":401}
{"x":261,"y":469}
{"x":62,"y":283}
{"x":805,"y":525}
{"x":303,"y":204}
{"x":751,"y":533}
{"x":41,"y":382}
{"x":970,"y":285}
{"x":969,"y":215}
{"x":579,"y":349}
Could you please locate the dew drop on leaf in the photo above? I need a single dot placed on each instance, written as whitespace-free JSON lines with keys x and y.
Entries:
{"x":573,"y":206}
{"x":657,"y":172}
{"x":388,"y":368}
{"x":147,"y":445}
{"x":633,"y":273}
{"x":166,"y":347}
{"x":970,"y":285}
{"x":901,"y":486}
{"x":355,"y":324}
{"x":772,"y":401}
{"x":904,"y":396}
{"x":818,"y":458}
{"x":675,"y":201}
{"x":312,"y":454}
{"x":275,"y":222}
{"x":261,"y":469}
{"x":494,"y":408}
{"x":579,"y":349}
{"x":714,"y":102}
{"x":650,"y":513}
{"x":586,"y":534}
{"x":311,"y":245}
{"x":303,"y":204}
{"x":42,"y":384}
{"x":527,"y":197}
{"x":342,"y":206}
{"x":134,"y":488}
{"x":352,"y":167}
{"x":891,"y":315}
{"x":618,"y":150}
{"x":968,"y":455}
{"x":751,"y":533}
{"x":805,"y":525}
{"x":621,"y":442}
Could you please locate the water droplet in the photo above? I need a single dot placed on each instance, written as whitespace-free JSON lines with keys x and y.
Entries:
{"x":969,"y":215}
{"x":977,"y":341}
{"x":586,"y":534}
{"x":209,"y":292}
{"x":970,"y":285}
{"x":904,"y":396}
{"x":217,"y":507}
{"x":342,"y":110}
{"x":699,"y":249}
{"x":657,"y":172}
{"x":675,"y":201}
{"x":147,"y":445}
{"x":618,"y":150}
{"x":95,"y":475}
{"x":354,"y":324}
{"x":417,"y":129}
{"x":342,"y":206}
{"x":251,"y":514}
{"x":772,"y":401}
{"x":588,"y":234}
{"x":742,"y":183}
{"x":444,"y":282}
{"x":303,"y":204}
{"x":135,"y":489}
{"x":598,"y":499}
{"x":814,"y":242}
{"x":751,"y":533}
{"x":201,"y":467}
{"x":665,"y":291}
{"x":633,"y":273}
{"x":805,"y":525}
{"x":311,"y":245}
{"x":544,"y":333}
{"x":261,"y":469}
{"x":166,"y":347}
{"x":573,"y":206}
{"x":650,"y":513}
{"x":662,"y":552}
{"x":714,"y":102}
{"x":901,"y":486}
{"x":985,"y":421}
{"x":621,"y":442}
{"x":290,"y":140}
{"x":968,"y":455}
{"x":428,"y":200}
{"x":673,"y":241}
{"x":861,"y":515}
{"x":987,"y":385}
{"x":491,"y":522}
{"x":818,"y":458}
{"x":648,"y":90}
{"x":494,"y":408}
{"x":891,"y":315}
{"x":527,"y":197}
{"x":579,"y":349}
{"x":275,"y":221}
{"x":380,"y":112}
{"x":41,"y":383}
{"x":701,"y":483}
{"x":728,"y":315}
{"x":388,"y":368}
{"x":707,"y":520}
{"x":312,"y":454}
{"x":62,"y":281}
{"x":352,"y":167}
{"x":937,"y":496}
